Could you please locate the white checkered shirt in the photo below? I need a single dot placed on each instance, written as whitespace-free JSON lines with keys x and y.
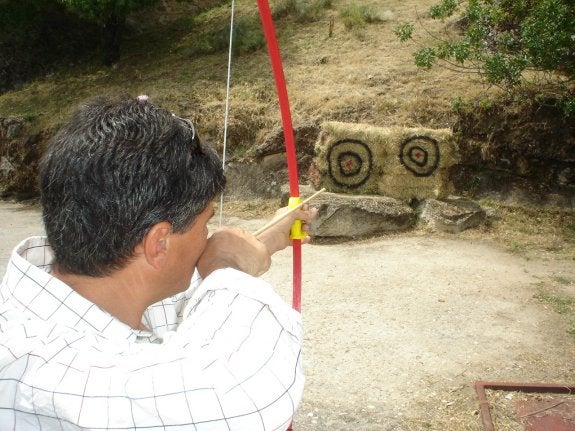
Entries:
{"x":224,"y":355}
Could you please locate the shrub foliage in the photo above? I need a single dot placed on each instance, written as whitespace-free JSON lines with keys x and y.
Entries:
{"x":507,"y":40}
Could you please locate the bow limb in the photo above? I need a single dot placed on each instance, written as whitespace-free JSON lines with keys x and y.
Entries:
{"x":297,"y":235}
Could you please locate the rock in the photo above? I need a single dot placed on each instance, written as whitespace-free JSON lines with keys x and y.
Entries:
{"x":20,"y":153}
{"x":305,"y":136}
{"x":351,"y":216}
{"x":13,"y":129}
{"x":452,"y":215}
{"x":5,"y":166}
{"x":566,"y":177}
{"x":273,"y":162}
{"x":516,"y":153}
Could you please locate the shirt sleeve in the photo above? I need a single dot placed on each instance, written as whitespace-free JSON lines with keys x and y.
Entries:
{"x":234,"y":363}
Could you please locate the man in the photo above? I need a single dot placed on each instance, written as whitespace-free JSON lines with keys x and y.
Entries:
{"x":103,"y":324}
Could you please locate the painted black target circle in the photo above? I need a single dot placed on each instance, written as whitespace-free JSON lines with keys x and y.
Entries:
{"x":349,"y":163}
{"x":420,"y":155}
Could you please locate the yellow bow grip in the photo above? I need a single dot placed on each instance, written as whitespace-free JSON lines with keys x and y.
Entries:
{"x":296,"y":231}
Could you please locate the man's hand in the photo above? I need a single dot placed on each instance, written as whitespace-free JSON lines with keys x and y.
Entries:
{"x":233,"y":248}
{"x":277,"y":237}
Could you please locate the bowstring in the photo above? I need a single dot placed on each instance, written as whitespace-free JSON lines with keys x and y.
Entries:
{"x":227,"y":111}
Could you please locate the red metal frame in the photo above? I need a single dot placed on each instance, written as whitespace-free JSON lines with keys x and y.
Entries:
{"x":481,"y":386}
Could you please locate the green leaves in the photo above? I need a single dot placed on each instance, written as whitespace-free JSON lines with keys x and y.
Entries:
{"x":503,"y":39}
{"x":444,"y":9}
{"x":109,"y":15}
{"x":425,"y":57}
{"x":548,"y":35}
{"x":404,"y":31}
{"x":500,"y":69}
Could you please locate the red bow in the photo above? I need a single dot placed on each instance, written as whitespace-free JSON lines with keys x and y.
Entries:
{"x":275,"y":57}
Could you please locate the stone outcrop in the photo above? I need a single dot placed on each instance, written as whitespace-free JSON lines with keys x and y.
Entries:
{"x":516,"y":153}
{"x":352,"y":216}
{"x":347,"y":217}
{"x":452,"y":215}
{"x":271,"y":152}
{"x":20,"y":153}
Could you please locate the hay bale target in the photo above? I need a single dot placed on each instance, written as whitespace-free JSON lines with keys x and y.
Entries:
{"x":403,"y":163}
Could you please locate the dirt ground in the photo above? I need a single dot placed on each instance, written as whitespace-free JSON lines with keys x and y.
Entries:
{"x":398,"y":328}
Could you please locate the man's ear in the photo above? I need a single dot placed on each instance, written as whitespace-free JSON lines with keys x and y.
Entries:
{"x":155,"y":244}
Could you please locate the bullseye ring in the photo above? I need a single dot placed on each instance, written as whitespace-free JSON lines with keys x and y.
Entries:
{"x":420,"y":155}
{"x":349,"y":163}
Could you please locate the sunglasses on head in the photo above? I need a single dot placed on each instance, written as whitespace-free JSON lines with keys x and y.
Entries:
{"x":196,"y":144}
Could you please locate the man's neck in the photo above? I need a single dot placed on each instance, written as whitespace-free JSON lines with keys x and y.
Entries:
{"x":118,"y":294}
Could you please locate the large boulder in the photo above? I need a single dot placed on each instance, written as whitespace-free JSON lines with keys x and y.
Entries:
{"x":452,"y":215}
{"x":352,"y":216}
{"x":20,"y":153}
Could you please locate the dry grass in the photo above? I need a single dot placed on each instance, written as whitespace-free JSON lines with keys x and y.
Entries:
{"x":249,"y":209}
{"x":528,"y":231}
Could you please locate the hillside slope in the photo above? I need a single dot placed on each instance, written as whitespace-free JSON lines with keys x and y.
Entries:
{"x":363,"y":75}
{"x":334,"y":70}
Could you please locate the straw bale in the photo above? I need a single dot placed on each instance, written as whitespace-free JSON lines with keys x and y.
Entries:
{"x":399,"y":162}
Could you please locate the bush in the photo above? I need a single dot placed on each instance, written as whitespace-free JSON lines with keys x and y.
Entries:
{"x":357,"y":16}
{"x":303,"y":11}
{"x":505,"y":39}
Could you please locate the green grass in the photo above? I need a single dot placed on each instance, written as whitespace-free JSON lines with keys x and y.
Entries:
{"x":562,"y":280}
{"x":518,"y":248}
{"x":561,"y":304}
{"x":356,"y":17}
{"x":182,"y":61}
{"x":528,"y":232}
{"x":300,"y":10}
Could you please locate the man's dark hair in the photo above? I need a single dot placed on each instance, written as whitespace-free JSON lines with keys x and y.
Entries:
{"x":117,"y":168}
